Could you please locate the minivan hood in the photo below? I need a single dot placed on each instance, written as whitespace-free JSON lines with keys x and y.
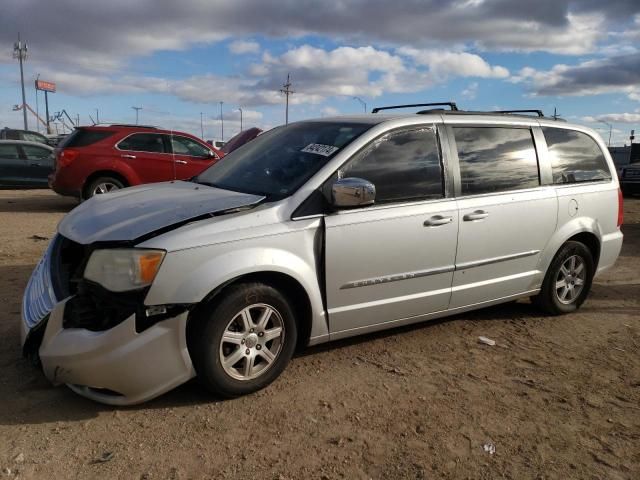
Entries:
{"x":135,"y":212}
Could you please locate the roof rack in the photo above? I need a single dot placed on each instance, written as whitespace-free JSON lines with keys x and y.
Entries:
{"x":451,"y":105}
{"x":127,"y":125}
{"x":537,"y":112}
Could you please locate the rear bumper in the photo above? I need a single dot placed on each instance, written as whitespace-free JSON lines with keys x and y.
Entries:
{"x":60,"y":189}
{"x":609,"y":250}
{"x":118,"y":366}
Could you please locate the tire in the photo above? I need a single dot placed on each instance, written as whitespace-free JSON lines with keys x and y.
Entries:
{"x":566,"y":284}
{"x":221,"y":338}
{"x":102,"y":185}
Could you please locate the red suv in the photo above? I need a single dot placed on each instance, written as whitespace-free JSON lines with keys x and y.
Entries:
{"x":100,"y":159}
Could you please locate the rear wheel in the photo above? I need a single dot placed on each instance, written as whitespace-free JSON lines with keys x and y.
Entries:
{"x":243,"y":342}
{"x":102,"y":185}
{"x":568,"y":280}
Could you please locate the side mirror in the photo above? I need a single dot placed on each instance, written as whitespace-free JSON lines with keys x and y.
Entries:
{"x":212,"y":154}
{"x":352,"y":192}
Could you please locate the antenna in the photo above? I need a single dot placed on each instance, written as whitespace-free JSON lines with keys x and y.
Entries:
{"x":286,"y":89}
{"x":555,"y":115}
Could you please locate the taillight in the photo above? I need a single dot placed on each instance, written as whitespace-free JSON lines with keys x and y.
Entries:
{"x":620,"y":208}
{"x":66,"y":156}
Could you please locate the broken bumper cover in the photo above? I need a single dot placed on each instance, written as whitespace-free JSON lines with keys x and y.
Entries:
{"x":117,"y":366}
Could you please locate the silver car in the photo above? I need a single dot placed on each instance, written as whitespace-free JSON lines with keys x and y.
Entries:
{"x":317,"y":231}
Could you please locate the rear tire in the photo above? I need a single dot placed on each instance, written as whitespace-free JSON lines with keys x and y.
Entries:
{"x":102,"y":185}
{"x":241,"y":343}
{"x":567,"y":281}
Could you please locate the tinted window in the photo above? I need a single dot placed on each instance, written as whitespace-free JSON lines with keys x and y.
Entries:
{"x":35,"y":153}
{"x":575,"y":156}
{"x":280,"y":161}
{"x":186,"y":146}
{"x":9,"y":152}
{"x":402,"y":166}
{"x":496,"y":159}
{"x":82,"y":137}
{"x":143,"y":142}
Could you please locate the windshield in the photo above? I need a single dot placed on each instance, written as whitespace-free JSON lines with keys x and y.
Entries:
{"x":280,"y":161}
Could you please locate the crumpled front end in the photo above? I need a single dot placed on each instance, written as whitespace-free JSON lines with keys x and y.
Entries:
{"x":105,"y":346}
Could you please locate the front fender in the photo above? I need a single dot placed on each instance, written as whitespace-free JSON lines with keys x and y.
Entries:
{"x":189,"y":276}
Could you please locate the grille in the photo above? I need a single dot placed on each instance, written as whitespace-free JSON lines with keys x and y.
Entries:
{"x":39,"y":297}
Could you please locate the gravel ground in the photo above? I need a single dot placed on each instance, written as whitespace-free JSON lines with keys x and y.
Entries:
{"x":556,"y":397}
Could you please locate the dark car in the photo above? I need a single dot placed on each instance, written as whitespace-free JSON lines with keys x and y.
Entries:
{"x":24,"y":164}
{"x":240,"y":139}
{"x":100,"y":159}
{"x":25,"y":135}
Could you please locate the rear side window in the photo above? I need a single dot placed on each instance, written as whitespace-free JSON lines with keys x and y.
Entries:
{"x":9,"y":152}
{"x":402,"y":165}
{"x":575,"y":156}
{"x":496,"y":159}
{"x":143,"y":142}
{"x":84,"y":138}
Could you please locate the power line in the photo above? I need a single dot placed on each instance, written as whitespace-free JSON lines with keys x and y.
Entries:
{"x":286,"y":89}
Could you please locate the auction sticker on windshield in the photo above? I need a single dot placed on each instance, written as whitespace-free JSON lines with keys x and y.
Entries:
{"x":319,"y":149}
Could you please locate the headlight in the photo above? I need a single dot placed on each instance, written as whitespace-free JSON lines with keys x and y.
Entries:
{"x":120,"y":270}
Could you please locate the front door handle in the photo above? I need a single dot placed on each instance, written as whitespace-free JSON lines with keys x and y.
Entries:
{"x":477,"y":215}
{"x":437,"y":220}
{"x":183,"y":162}
{"x":128,"y":156}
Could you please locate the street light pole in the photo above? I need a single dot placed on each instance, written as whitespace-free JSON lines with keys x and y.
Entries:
{"x":240,"y":109}
{"x":137,"y":109}
{"x":201,"y":127}
{"x":20,"y":52}
{"x":610,"y":128}
{"x":221,"y":123}
{"x":362,"y":102}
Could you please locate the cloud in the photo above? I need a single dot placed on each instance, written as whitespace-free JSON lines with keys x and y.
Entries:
{"x":241,"y":47}
{"x":443,"y":64}
{"x":615,"y":118}
{"x":106,"y":35}
{"x":620,"y":74}
{"x":471,"y":91}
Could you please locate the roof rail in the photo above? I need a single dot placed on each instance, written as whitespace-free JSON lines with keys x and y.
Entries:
{"x":130,"y":125}
{"x":451,"y":105}
{"x":537,"y":112}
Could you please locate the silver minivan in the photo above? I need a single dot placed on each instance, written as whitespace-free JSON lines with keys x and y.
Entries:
{"x":317,"y":231}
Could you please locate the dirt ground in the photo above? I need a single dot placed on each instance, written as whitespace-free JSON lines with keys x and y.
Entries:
{"x":556,"y":397}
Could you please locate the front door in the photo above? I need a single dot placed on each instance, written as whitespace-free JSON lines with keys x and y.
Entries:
{"x":393,"y":260}
{"x":506,"y":217}
{"x":191,"y":157}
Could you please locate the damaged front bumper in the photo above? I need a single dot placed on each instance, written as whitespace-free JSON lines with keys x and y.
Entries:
{"x":118,"y":366}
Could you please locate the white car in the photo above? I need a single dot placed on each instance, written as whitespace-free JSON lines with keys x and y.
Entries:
{"x":317,"y":231}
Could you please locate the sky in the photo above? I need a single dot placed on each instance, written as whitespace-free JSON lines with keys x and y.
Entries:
{"x":179,"y":59}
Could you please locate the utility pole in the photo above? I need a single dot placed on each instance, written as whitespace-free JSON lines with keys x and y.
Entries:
{"x":240,"y":109}
{"x":37,"y":108}
{"x":201,"y":127}
{"x":610,"y":128}
{"x":362,"y":102}
{"x":137,"y":109}
{"x":221,"y":123}
{"x":97,"y":117}
{"x":286,"y":89}
{"x":20,"y":52}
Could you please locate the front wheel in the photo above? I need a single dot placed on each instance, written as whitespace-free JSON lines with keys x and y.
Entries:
{"x":244,"y":341}
{"x":568,"y":280}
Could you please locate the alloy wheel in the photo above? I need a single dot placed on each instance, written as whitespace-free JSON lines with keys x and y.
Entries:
{"x":570,"y":279}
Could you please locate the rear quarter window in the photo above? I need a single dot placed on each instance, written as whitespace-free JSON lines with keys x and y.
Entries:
{"x":575,"y":157}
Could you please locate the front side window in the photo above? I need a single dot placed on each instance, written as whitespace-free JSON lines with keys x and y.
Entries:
{"x":496,"y":159}
{"x":35,"y":153}
{"x":186,"y":146}
{"x":143,"y":142}
{"x":575,"y":156}
{"x":402,"y":165}
{"x":278,"y":162}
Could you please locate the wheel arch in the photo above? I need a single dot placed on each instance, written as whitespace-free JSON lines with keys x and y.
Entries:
{"x":290,"y":287}
{"x":105,"y":173}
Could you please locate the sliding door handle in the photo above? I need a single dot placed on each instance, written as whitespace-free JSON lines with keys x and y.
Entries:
{"x":477,"y":215}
